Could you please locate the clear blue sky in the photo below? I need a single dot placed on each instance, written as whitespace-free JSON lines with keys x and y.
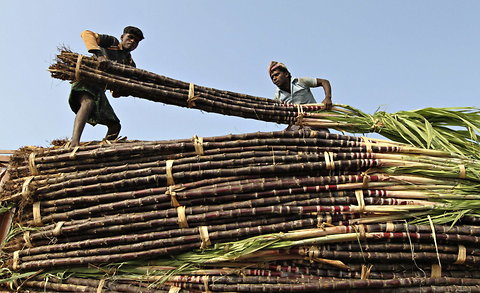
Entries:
{"x":397,"y":55}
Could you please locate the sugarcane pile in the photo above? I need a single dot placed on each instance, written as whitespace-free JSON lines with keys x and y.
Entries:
{"x":287,"y":211}
{"x":452,"y":129}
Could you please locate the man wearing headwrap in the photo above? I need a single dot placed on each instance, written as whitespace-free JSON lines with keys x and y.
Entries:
{"x":88,"y":101}
{"x":297,"y":90}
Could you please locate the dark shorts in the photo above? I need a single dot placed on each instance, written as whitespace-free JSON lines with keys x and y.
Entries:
{"x":102,"y":112}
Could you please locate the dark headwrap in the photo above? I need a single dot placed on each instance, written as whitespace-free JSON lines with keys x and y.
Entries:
{"x":134,"y":31}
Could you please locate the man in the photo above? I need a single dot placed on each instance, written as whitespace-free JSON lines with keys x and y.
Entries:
{"x":297,"y":90}
{"x":89,"y":102}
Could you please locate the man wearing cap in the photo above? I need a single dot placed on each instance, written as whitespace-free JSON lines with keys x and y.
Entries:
{"x":297,"y":90}
{"x":88,"y":101}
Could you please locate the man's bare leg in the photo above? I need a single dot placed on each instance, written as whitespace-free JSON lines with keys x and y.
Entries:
{"x":86,"y":107}
{"x":113,"y":131}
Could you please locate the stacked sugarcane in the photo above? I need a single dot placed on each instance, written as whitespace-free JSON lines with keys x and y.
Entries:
{"x":452,"y":129}
{"x":288,"y":211}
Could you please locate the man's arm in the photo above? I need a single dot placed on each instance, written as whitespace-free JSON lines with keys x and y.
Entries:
{"x":94,"y":42}
{"x":317,"y":82}
{"x":328,"y":92}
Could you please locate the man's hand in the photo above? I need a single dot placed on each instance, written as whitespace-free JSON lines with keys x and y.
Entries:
{"x":102,"y":58}
{"x":103,"y":62}
{"x":327,"y":102}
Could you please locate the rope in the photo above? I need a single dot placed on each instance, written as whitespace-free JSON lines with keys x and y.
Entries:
{"x":169,"y":165}
{"x":16,"y":260}
{"x":436,"y":271}
{"x":205,"y":283}
{"x":366,"y":179}
{"x":299,"y":119}
{"x":100,"y":286}
{"x":412,"y":250}
{"x":203,"y":230}
{"x":365,"y":271}
{"x":435,"y":241}
{"x":329,"y":164}
{"x":25,"y":187}
{"x":462,"y":255}
{"x":173,"y":196}
{"x":377,"y":124}
{"x":182,"y":218}
{"x":31,"y":164}
{"x":73,"y":154}
{"x":77,"y":67}
{"x":368,"y":144}
{"x":26,"y":237}
{"x":191,"y":96}
{"x":390,"y":227}
{"x":198,"y":144}
{"x":360,"y":200}
{"x":58,"y":228}
{"x":361,"y":231}
{"x":37,"y":218}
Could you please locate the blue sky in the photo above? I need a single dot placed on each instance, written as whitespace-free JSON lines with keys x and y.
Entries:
{"x":393,"y":55}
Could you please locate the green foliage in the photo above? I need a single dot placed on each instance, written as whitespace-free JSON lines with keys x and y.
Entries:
{"x":455,"y":130}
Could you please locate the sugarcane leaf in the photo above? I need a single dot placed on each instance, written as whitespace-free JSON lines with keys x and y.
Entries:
{"x":16,"y":276}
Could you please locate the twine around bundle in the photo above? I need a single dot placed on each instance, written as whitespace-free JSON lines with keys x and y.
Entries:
{"x":31,"y":164}
{"x":26,"y":238}
{"x":26,"y":193}
{"x":171,"y":191}
{"x":368,"y":144}
{"x":205,"y":283}
{"x":462,"y":255}
{"x":58,"y":228}
{"x":168,"y":168}
{"x":390,"y":227}
{"x":198,"y":145}
{"x":300,"y":115}
{"x":37,"y":217}
{"x":191,"y":96}
{"x":203,"y":231}
{"x":77,"y":67}
{"x":182,"y":218}
{"x":329,"y":163}
{"x":360,"y":200}
{"x":101,"y":283}
{"x":365,"y":274}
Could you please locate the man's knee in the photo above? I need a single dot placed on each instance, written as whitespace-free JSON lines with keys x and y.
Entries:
{"x":114,"y":127}
{"x":86,"y":100}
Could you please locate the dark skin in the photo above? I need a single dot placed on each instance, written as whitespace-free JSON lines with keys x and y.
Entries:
{"x":129,"y":42}
{"x":282,"y":79}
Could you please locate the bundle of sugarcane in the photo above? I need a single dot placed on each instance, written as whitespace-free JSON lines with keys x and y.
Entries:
{"x":128,"y":205}
{"x":451,"y":129}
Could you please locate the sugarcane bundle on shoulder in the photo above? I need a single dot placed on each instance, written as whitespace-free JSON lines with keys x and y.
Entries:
{"x":450,"y":129}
